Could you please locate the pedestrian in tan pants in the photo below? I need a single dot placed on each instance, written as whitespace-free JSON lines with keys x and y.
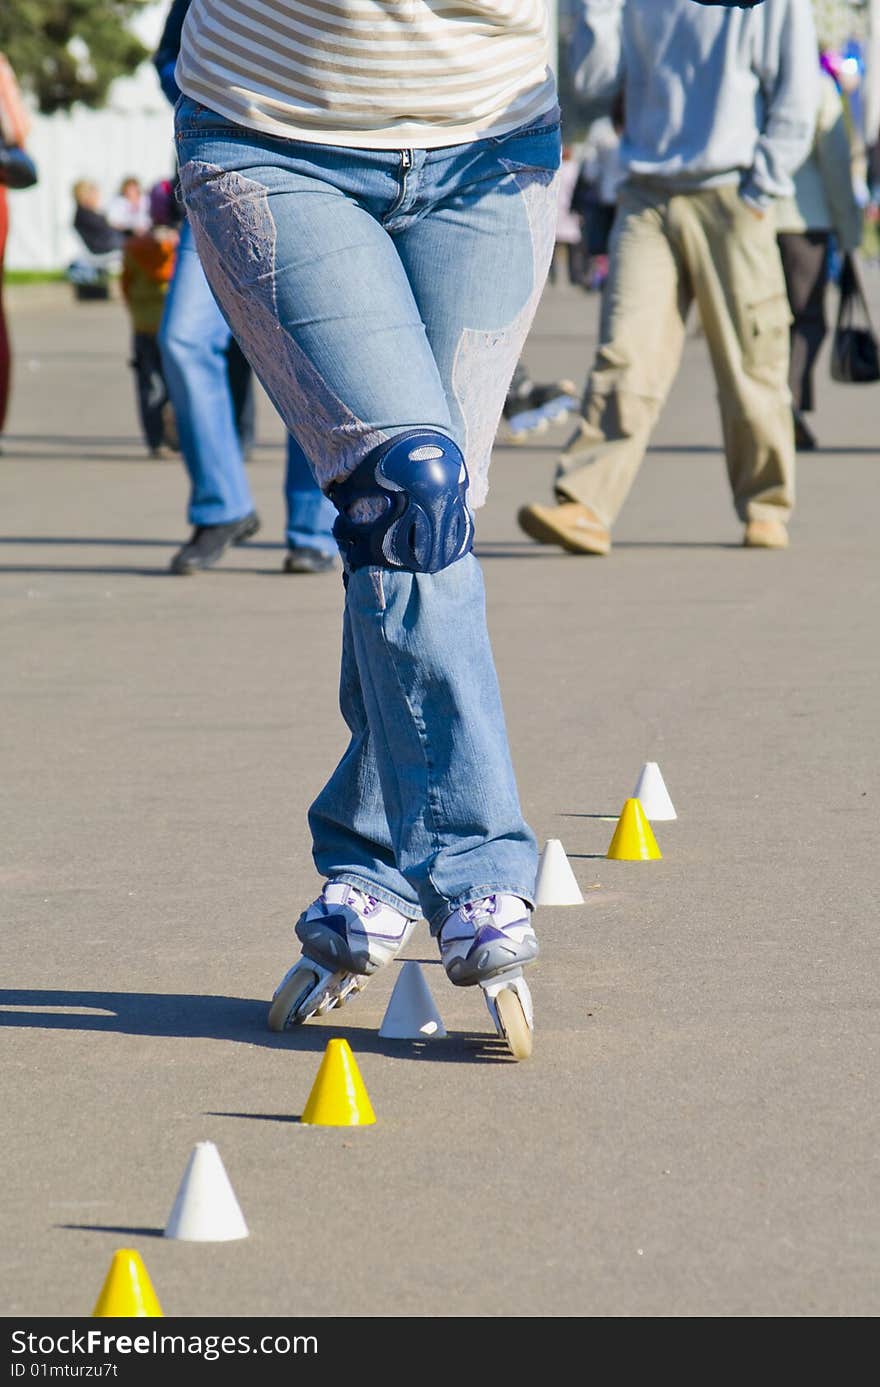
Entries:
{"x":697,"y":226}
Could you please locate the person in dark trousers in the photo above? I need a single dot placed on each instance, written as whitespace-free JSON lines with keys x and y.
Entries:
{"x":147,"y":267}
{"x":823,"y":208}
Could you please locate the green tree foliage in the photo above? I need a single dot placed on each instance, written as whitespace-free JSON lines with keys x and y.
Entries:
{"x":64,"y":51}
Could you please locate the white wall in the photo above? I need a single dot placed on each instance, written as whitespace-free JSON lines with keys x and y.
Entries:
{"x":132,"y":134}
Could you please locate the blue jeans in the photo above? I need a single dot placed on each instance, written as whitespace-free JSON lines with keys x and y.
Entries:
{"x":194,"y":339}
{"x":374,"y":291}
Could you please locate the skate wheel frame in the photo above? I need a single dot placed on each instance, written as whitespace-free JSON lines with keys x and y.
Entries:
{"x":289,"y":997}
{"x":514,"y":1026}
{"x":309,"y":990}
{"x":510,"y":1005}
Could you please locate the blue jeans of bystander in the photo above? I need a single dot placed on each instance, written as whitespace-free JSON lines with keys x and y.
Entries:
{"x":194,"y":340}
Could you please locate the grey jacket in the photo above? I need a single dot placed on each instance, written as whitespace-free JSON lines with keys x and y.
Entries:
{"x":711,"y":95}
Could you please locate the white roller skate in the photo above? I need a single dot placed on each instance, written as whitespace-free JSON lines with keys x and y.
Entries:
{"x":486,"y":943}
{"x":346,"y":936}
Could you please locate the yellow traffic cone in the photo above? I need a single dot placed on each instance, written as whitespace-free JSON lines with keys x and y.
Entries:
{"x":633,"y":839}
{"x":127,"y":1291}
{"x":338,"y":1097}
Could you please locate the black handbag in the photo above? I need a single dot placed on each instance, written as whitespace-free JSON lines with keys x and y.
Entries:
{"x":17,"y":168}
{"x":855,"y":359}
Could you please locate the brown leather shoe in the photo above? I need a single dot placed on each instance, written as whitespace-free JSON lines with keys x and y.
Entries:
{"x":765,"y":534}
{"x":573,"y":526}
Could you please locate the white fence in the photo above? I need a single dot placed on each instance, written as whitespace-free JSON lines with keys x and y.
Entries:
{"x":132,"y":135}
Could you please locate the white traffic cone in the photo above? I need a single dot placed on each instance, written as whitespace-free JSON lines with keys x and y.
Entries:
{"x":555,"y":883}
{"x":652,"y":794}
{"x":205,"y":1209}
{"x":411,"y":1013}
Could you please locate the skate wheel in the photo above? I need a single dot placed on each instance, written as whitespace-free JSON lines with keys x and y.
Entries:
{"x":291,"y":995}
{"x":514,"y":1024}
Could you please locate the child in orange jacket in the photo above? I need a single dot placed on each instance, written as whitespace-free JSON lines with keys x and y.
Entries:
{"x":147,"y":266}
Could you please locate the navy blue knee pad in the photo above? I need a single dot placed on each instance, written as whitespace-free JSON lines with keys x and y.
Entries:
{"x":425,"y":524}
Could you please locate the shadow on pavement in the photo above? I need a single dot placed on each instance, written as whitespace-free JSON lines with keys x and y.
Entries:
{"x":131,"y":570}
{"x":126,"y":1231}
{"x":847,"y":450}
{"x":73,"y":540}
{"x":115,"y":542}
{"x":507,"y":549}
{"x":79,"y":440}
{"x":208,"y":1017}
{"x":116,"y":569}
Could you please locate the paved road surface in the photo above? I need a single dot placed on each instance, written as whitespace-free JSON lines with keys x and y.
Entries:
{"x":696,"y":1131}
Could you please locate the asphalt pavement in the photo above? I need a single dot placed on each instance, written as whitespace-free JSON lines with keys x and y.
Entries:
{"x":695,"y":1133}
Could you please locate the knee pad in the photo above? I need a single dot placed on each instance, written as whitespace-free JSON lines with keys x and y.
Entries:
{"x":424,"y":524}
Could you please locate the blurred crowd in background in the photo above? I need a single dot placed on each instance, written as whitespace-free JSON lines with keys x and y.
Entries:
{"x":129,"y":245}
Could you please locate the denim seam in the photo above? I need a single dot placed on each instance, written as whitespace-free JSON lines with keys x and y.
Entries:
{"x":423,"y":743}
{"x":539,"y":127}
{"x":333,"y":438}
{"x":194,"y":131}
{"x":379,"y":892}
{"x":475,"y":893}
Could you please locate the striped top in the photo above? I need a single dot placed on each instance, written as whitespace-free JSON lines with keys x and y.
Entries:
{"x":381,"y":74}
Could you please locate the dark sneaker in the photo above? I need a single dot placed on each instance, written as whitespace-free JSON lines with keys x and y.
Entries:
{"x":533,"y":409}
{"x":305,"y":560}
{"x":560,"y":396}
{"x":208,"y":543}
